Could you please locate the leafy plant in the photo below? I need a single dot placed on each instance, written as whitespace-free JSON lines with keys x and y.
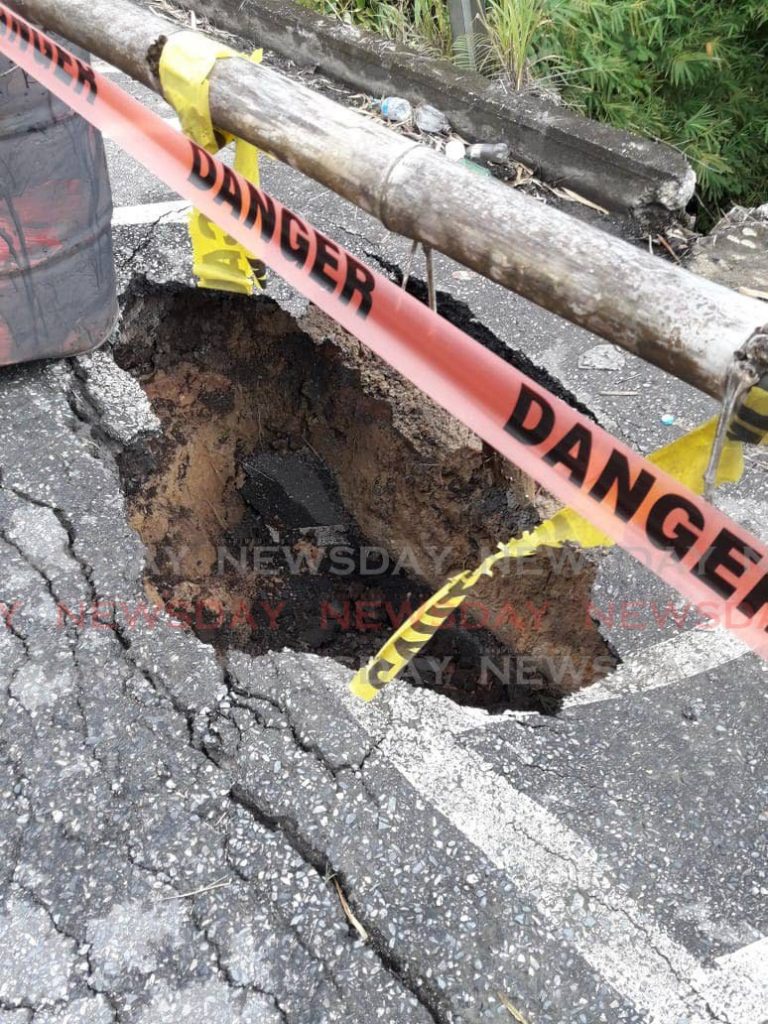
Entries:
{"x":692,"y":73}
{"x":505,"y":44}
{"x":421,"y":23}
{"x":432,"y":23}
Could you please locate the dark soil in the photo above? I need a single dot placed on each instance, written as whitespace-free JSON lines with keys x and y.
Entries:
{"x":302,"y":495}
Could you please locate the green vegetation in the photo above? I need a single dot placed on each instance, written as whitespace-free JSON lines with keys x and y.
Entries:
{"x":422,"y":23}
{"x":513,"y":31}
{"x":692,"y":73}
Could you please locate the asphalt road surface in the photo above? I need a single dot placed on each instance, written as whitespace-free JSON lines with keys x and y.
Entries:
{"x":184,"y":838}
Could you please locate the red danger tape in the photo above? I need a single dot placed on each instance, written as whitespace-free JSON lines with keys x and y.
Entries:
{"x":703,"y":554}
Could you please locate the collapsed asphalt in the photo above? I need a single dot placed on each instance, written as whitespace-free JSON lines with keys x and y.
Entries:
{"x":175,"y":828}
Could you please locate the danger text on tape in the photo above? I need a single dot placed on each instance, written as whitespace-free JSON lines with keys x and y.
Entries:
{"x":701,"y":552}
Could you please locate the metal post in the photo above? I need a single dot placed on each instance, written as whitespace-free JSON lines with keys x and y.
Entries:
{"x":467,"y":23}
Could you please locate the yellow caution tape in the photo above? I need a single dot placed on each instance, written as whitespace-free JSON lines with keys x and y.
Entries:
{"x":487,"y":394}
{"x":750,"y":424}
{"x":685,"y":459}
{"x":185,"y":66}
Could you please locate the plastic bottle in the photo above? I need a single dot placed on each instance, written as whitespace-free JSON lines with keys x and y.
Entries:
{"x":489,"y":152}
{"x":395,"y":108}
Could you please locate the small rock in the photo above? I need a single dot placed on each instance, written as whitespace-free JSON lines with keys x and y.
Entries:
{"x":735,"y":253}
{"x":602,"y":357}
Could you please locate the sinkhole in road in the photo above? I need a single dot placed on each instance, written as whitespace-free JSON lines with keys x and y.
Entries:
{"x":301,"y":494}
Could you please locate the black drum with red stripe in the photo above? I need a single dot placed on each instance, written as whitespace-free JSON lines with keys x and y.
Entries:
{"x":57,"y":276}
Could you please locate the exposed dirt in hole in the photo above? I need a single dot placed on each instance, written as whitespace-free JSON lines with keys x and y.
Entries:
{"x":302,"y":494}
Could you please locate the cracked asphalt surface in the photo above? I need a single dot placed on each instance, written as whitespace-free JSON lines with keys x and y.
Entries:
{"x":175,"y":829}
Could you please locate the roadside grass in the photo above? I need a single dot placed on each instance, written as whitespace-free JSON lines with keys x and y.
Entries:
{"x":423,"y":24}
{"x":506,"y":45}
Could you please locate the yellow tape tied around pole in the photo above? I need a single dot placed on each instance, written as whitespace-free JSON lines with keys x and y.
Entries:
{"x":685,"y":459}
{"x":717,"y":562}
{"x":750,"y":424}
{"x":185,"y":66}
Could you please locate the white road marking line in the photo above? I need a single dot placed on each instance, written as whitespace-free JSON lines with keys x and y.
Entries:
{"x":552,"y":866}
{"x":671,"y":661}
{"x":171,"y":212}
{"x":664,"y":664}
{"x":753,"y":961}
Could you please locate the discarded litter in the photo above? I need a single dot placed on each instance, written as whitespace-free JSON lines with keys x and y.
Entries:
{"x":489,"y":152}
{"x":455,"y":150}
{"x":430,"y":119}
{"x":668,"y":419}
{"x":477,"y":168}
{"x":395,"y":108}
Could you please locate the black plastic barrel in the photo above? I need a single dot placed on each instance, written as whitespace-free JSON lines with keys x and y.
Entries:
{"x":57,"y":276}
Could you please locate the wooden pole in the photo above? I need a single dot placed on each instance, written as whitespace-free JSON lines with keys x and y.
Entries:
{"x":684,"y":324}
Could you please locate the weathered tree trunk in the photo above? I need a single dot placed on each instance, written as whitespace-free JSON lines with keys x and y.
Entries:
{"x":688,"y":326}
